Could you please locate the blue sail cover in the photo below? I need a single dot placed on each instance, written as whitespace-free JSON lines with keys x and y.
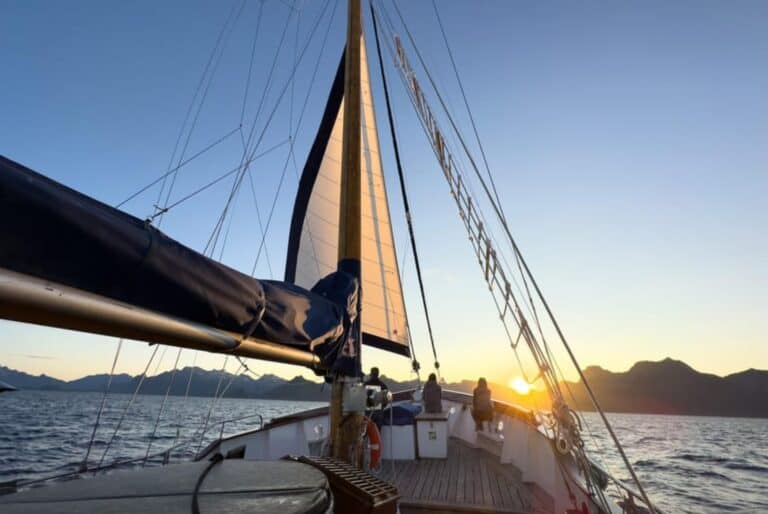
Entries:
{"x":57,"y":234}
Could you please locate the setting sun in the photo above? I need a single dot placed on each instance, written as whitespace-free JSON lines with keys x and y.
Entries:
{"x":520,"y":386}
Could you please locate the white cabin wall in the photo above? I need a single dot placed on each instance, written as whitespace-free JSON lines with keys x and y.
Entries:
{"x":515,"y":448}
{"x":277,"y":442}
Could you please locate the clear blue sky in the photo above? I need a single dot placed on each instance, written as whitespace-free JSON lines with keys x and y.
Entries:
{"x":629,"y":142}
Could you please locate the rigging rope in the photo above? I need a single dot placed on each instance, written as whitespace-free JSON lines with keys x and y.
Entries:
{"x":127,"y":407}
{"x":261,"y":224}
{"x":231,"y":381}
{"x":84,"y":465}
{"x":162,"y":405}
{"x":202,"y":100}
{"x":186,"y":396}
{"x":502,"y":219}
{"x":296,"y":131}
{"x":213,"y":182}
{"x":406,"y":205}
{"x":272,"y":209}
{"x":303,"y":110}
{"x":250,"y":64}
{"x":204,"y":426}
{"x":178,"y":167}
{"x":213,"y":239}
{"x":217,"y":396}
{"x":245,"y":366}
{"x":245,"y":163}
{"x":466,"y":103}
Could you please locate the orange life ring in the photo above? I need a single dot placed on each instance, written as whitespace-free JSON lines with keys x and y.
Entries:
{"x":374,"y":443}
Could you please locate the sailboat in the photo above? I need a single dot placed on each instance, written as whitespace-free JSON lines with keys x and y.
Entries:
{"x":70,"y":261}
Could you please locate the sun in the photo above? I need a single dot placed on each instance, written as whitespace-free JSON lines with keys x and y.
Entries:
{"x":520,"y":386}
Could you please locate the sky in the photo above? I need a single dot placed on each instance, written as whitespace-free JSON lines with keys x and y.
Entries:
{"x":628,"y":143}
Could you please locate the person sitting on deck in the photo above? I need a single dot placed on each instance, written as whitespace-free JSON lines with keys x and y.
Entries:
{"x":482,"y":407}
{"x":374,"y":380}
{"x":432,"y":395}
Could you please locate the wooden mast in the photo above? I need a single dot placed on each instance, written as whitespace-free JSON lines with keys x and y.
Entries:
{"x":345,"y":427}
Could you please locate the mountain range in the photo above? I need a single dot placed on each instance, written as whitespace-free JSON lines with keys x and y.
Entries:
{"x":663,"y":387}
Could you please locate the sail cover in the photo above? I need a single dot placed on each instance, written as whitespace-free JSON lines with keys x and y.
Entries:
{"x":55,"y":233}
{"x":314,"y":236}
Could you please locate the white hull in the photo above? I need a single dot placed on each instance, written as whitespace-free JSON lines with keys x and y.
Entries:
{"x":519,"y":443}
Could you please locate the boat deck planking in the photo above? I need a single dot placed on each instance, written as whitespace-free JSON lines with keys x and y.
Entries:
{"x":469,"y":480}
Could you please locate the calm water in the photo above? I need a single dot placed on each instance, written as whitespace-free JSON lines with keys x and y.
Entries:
{"x":689,"y":464}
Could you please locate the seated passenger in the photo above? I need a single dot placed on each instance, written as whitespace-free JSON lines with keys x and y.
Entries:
{"x":374,"y":380}
{"x":482,"y":407}
{"x":433,"y":394}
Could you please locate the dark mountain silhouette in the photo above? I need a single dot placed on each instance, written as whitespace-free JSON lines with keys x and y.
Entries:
{"x":673,"y":387}
{"x":664,"y":387}
{"x":22,"y":380}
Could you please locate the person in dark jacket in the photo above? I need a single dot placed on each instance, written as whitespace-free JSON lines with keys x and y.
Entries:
{"x":433,"y":395}
{"x":374,"y":380}
{"x":482,"y":407}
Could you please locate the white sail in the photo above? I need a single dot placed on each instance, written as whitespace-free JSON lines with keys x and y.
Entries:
{"x":313,"y":249}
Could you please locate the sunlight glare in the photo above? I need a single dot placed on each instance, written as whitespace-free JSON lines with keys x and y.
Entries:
{"x":520,"y":386}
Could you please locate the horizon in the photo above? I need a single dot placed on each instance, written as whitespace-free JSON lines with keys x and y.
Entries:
{"x":633,"y":173}
{"x":319,"y":380}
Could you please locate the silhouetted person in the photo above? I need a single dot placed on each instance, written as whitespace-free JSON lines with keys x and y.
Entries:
{"x":433,"y":395}
{"x":482,"y":407}
{"x":374,"y":380}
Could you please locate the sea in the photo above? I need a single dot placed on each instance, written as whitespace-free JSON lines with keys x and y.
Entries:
{"x":688,"y":464}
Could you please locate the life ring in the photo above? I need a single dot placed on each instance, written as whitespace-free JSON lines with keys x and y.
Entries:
{"x":374,"y":443}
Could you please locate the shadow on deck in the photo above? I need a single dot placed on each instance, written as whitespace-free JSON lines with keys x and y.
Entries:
{"x":469,"y":480}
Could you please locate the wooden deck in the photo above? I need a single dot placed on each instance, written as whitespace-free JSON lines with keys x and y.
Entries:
{"x":469,"y":480}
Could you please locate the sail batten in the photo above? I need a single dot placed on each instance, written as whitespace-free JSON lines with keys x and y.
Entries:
{"x":313,"y":242}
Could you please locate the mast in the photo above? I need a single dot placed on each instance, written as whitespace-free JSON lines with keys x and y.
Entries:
{"x":345,"y":427}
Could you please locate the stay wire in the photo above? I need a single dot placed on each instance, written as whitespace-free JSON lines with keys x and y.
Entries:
{"x":551,"y":315}
{"x":213,"y":239}
{"x":466,"y":102}
{"x":509,"y":337}
{"x":403,"y":191}
{"x":84,"y":465}
{"x":250,"y":62}
{"x":416,"y":366}
{"x":244,"y":165}
{"x":204,"y":426}
{"x":272,"y":209}
{"x":245,"y":366}
{"x":202,"y":103}
{"x":459,"y":168}
{"x":128,"y":406}
{"x":181,"y":165}
{"x":270,"y":77}
{"x":186,"y":397}
{"x":214,"y":181}
{"x":303,"y":110}
{"x":298,"y":123}
{"x":194,"y":98}
{"x":232,"y":379}
{"x":260,"y":222}
{"x":162,"y":406}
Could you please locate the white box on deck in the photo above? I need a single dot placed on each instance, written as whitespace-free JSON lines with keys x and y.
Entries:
{"x":398,"y":442}
{"x":432,"y":435}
